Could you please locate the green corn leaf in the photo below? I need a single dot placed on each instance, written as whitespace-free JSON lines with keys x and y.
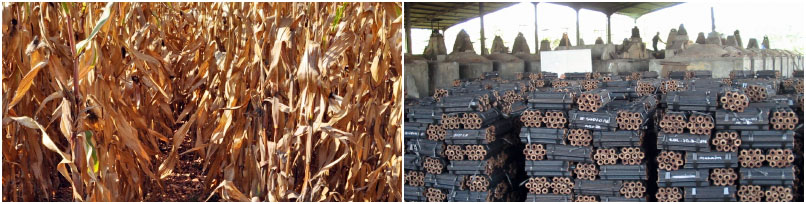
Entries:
{"x":92,"y":154}
{"x":27,"y":9}
{"x":337,"y":19}
{"x":104,"y":17}
{"x":65,"y":8}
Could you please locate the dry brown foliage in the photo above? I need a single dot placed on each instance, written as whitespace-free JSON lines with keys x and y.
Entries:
{"x":283,"y":101}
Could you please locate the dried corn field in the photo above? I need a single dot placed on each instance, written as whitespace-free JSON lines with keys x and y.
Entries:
{"x":202,"y":101}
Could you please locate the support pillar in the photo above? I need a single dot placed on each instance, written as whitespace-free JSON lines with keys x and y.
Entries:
{"x":537,"y":39}
{"x":713,"y":25}
{"x":408,"y":29}
{"x":481,"y":16}
{"x":577,"y":9}
{"x":609,"y":40}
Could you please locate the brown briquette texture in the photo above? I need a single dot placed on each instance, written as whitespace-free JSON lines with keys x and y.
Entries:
{"x":778,"y":194}
{"x":751,"y":158}
{"x":669,"y":194}
{"x":669,"y":160}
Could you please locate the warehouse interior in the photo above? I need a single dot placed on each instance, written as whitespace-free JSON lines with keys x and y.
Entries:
{"x":706,"y":117}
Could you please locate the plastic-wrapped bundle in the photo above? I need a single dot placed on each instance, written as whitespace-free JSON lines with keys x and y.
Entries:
{"x":683,"y":178}
{"x":550,"y":100}
{"x":548,"y":198}
{"x":569,"y":153}
{"x":468,"y":196}
{"x":701,"y":100}
{"x":597,"y":187}
{"x":620,"y":199}
{"x":683,"y":142}
{"x":649,"y":75}
{"x":711,"y":160}
{"x":412,"y":162}
{"x":619,"y":138}
{"x":577,"y":75}
{"x":797,"y":74}
{"x":767,"y":176}
{"x":548,"y":168}
{"x":446,"y":181}
{"x":768,"y":74}
{"x":485,"y":135}
{"x":767,"y":139}
{"x":750,"y":119}
{"x":413,"y":193}
{"x":542,"y":135}
{"x":600,"y":120}
{"x":741,"y":74}
{"x":704,"y":84}
{"x":623,"y":172}
{"x":425,"y":147}
{"x":414,"y":130}
{"x":710,"y":194}
{"x":467,"y":102}
{"x":423,"y":114}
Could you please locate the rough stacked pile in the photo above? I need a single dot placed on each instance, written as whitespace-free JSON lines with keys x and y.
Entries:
{"x":424,"y":150}
{"x":543,"y":132}
{"x":730,"y":152}
{"x":605,"y":143}
{"x":686,"y":161}
{"x":599,"y":154}
{"x":473,"y":126}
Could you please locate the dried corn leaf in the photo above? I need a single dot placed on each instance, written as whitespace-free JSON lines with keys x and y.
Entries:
{"x":252,"y":101}
{"x":26,"y":82}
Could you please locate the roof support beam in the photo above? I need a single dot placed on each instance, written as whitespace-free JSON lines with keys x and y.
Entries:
{"x":577,"y":10}
{"x":609,"y":40}
{"x":450,"y":6}
{"x":481,"y":16}
{"x":713,"y":25}
{"x":537,"y":40}
{"x":408,"y":28}
{"x":435,"y":11}
{"x":425,"y":18}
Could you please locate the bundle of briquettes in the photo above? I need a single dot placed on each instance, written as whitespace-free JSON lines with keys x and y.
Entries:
{"x":581,"y":137}
{"x":584,"y":138}
{"x":202,"y":101}
{"x":731,"y":139}
{"x":465,"y":147}
{"x":608,"y":137}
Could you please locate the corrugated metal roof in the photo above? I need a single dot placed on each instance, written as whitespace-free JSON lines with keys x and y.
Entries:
{"x":631,"y":9}
{"x":446,"y":14}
